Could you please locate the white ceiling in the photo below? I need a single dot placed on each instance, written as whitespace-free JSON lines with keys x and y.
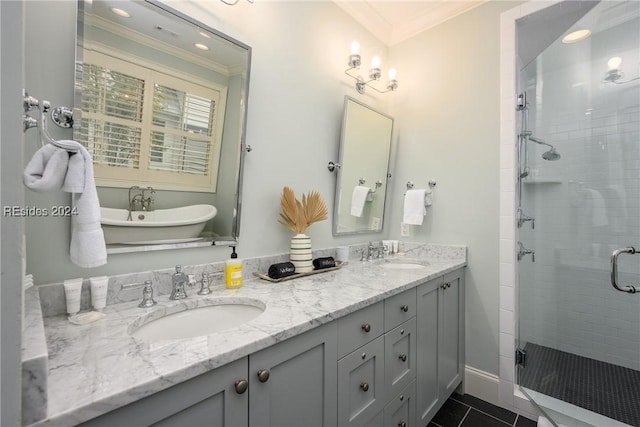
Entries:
{"x":393,"y":21}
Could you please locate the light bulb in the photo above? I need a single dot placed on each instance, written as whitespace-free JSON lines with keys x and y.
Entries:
{"x":614,"y":63}
{"x":120,"y":12}
{"x":392,"y":73}
{"x":355,"y":47}
{"x":375,"y":62}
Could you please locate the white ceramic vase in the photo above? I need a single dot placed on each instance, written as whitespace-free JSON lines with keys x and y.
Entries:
{"x":301,"y":256}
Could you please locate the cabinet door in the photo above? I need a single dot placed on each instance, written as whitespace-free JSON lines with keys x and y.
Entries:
{"x":361,"y":391}
{"x":293,"y":383}
{"x":428,"y":322}
{"x":400,"y":357}
{"x":451,"y":363}
{"x":400,"y":411}
{"x":212,"y":399}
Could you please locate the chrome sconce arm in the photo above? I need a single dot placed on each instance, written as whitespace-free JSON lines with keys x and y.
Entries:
{"x":375,"y":72}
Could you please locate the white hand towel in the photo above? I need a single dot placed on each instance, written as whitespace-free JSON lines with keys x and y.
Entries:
{"x":414,"y":210}
{"x":47,"y":169}
{"x":358,"y":199}
{"x":88,"y":247}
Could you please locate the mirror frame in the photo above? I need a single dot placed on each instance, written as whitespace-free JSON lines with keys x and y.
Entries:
{"x":337,"y":195}
{"x":77,"y":113}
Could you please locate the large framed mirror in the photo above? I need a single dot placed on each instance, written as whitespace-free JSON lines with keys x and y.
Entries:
{"x":361,"y":186}
{"x":160,"y":103}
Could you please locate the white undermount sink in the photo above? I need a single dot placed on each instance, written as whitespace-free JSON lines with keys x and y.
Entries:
{"x":403,"y":264}
{"x":198,"y":321}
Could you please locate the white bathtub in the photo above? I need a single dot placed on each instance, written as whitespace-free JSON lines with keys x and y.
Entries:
{"x":159,"y":226}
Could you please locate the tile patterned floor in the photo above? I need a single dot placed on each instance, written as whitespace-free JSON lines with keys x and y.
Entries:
{"x":468,"y":411}
{"x":600,"y":387}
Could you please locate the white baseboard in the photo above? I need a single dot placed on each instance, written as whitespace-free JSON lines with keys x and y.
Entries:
{"x":481,"y":384}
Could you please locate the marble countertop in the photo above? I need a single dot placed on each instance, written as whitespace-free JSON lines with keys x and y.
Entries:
{"x":93,"y":369}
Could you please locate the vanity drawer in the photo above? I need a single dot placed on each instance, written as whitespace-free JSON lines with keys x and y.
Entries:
{"x":401,"y":410}
{"x":400,"y":357}
{"x":399,"y":308}
{"x":357,"y":329}
{"x":361,"y":384}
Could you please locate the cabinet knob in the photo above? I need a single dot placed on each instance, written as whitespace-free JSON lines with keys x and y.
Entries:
{"x":448,"y":285}
{"x":241,"y":386}
{"x":366,"y":327}
{"x":404,"y":308}
{"x":443,"y":286}
{"x":263,"y":375}
{"x":364,"y":356}
{"x":403,"y":357}
{"x":402,"y":424}
{"x":364,"y":386}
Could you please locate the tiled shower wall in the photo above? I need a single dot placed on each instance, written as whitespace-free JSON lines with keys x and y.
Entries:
{"x":585,"y":205}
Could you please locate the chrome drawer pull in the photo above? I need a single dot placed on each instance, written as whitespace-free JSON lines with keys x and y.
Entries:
{"x":404,"y":308}
{"x":366,"y":327}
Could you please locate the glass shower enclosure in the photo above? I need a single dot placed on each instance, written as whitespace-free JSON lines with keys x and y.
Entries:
{"x":579,"y":203}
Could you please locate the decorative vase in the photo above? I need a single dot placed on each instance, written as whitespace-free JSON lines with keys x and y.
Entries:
{"x":301,"y":256}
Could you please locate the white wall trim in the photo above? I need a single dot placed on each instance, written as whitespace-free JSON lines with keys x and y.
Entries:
{"x":481,"y":384}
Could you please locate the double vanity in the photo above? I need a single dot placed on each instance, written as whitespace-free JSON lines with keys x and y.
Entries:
{"x":373,"y":343}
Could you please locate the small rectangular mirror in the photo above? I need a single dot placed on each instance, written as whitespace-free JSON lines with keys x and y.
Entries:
{"x":161,"y":106}
{"x":361,"y":187}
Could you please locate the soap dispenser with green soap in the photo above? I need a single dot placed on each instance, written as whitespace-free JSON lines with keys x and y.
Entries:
{"x":233,"y":271}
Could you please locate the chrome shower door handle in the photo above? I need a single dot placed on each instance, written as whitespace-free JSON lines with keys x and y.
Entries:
{"x":630,"y":289}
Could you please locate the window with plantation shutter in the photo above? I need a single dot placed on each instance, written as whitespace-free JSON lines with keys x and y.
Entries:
{"x":147,"y":128}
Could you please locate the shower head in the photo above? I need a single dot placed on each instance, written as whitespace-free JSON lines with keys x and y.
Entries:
{"x":551,"y":155}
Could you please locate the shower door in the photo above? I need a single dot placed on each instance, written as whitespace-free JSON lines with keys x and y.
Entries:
{"x":579,"y":338}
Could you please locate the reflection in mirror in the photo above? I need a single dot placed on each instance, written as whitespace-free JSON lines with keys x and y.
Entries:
{"x":161,"y":101}
{"x":361,"y":186}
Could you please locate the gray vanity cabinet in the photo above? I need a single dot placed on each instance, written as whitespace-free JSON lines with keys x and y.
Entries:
{"x":216,"y":398}
{"x":293,"y":383}
{"x":401,"y":410}
{"x":440,"y":342}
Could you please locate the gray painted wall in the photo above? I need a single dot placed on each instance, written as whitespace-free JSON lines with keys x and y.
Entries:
{"x":295,"y":108}
{"x":447,"y":116}
{"x":11,"y":194}
{"x":447,"y":120}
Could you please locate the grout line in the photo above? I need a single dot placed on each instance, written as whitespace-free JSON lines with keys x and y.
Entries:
{"x":465,"y":416}
{"x":482,"y":412}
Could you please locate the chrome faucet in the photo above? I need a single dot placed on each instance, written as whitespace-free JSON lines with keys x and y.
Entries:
{"x":147,"y":202}
{"x":522,"y":218}
{"x":178,"y":282}
{"x":522,"y":251}
{"x":139,"y":201}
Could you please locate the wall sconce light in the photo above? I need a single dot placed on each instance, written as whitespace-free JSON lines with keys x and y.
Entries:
{"x":614,"y":73}
{"x":375,"y":73}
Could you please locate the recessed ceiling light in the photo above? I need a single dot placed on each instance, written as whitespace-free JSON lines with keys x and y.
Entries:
{"x":201,"y":46}
{"x":203,"y":34}
{"x":120,"y":12}
{"x":576,"y":36}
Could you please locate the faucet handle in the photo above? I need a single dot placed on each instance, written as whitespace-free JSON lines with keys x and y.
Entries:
{"x":204,"y":285}
{"x":147,"y":295}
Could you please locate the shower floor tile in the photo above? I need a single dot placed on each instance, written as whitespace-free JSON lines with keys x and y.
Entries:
{"x":604,"y":388}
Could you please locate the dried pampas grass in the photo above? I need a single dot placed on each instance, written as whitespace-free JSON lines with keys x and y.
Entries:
{"x":298,"y":215}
